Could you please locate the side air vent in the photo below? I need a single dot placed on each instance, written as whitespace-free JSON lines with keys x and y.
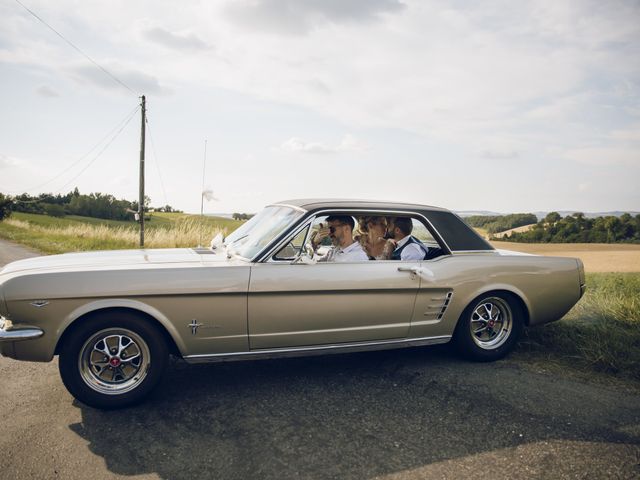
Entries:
{"x":438,"y":305}
{"x":445,"y":305}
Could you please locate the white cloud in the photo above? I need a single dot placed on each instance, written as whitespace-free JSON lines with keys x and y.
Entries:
{"x":135,"y":79}
{"x":302,"y":16}
{"x":510,"y":81}
{"x":499,"y":154}
{"x":630,"y":134}
{"x":175,"y":40}
{"x":47,"y":92}
{"x":605,"y":156}
{"x":7,"y":161}
{"x":348,"y":144}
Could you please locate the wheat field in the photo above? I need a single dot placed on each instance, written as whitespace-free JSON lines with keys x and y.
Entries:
{"x":597,"y":257}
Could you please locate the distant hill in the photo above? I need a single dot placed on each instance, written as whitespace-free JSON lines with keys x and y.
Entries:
{"x":565,"y":213}
{"x":540,"y":215}
{"x":472,"y":213}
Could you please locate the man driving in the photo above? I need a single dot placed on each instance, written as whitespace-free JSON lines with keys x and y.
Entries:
{"x":345,"y":249}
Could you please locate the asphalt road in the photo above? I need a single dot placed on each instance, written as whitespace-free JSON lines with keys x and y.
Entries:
{"x":406,"y":414}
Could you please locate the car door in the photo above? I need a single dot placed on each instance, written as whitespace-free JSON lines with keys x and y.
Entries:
{"x":294,"y":305}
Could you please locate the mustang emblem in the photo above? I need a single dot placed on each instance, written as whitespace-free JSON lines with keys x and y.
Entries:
{"x":40,"y":303}
{"x":194,"y":326}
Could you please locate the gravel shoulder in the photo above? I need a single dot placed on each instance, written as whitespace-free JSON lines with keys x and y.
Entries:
{"x":406,"y":414}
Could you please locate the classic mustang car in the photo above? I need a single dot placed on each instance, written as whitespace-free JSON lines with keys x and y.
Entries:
{"x":114,"y":317}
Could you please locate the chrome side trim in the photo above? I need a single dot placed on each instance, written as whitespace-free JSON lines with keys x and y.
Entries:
{"x":316,"y":350}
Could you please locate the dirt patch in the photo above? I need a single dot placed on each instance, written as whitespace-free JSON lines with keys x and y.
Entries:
{"x":597,"y":257}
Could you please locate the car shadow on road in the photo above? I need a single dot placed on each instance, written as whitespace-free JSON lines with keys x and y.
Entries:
{"x":341,"y":416}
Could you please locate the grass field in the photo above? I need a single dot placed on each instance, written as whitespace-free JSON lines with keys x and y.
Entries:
{"x":602,"y":332}
{"x":73,"y":233}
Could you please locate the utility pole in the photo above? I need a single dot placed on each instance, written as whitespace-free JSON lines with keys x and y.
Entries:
{"x":141,"y":197}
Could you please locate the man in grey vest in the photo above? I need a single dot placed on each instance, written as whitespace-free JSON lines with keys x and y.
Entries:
{"x":408,"y":247}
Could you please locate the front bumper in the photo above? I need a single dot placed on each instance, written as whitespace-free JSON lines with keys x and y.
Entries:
{"x":8,"y":334}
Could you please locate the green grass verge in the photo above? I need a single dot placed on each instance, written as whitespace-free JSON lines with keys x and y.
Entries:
{"x":155,"y":220}
{"x":53,"y":243}
{"x":74,"y":233}
{"x":602,"y":332}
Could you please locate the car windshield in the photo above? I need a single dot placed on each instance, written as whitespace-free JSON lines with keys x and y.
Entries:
{"x":261,"y":230}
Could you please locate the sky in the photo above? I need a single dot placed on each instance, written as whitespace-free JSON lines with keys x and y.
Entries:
{"x":498,"y":105}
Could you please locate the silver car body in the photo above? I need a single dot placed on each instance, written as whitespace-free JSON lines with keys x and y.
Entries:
{"x":215,"y":306}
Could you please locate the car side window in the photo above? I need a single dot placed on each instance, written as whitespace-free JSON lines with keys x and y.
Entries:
{"x":293,"y":247}
{"x":422,"y":234}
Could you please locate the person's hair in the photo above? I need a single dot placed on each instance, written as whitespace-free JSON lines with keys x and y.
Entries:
{"x":404,"y":224}
{"x":344,"y":219}
{"x":363,"y":222}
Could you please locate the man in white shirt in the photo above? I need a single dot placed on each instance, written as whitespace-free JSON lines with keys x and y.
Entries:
{"x":408,"y":247}
{"x":345,"y":249}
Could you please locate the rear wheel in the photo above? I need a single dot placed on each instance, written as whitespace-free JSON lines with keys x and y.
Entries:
{"x":113,"y":359}
{"x":489,"y":327}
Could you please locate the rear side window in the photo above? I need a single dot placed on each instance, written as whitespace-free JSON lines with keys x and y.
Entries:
{"x":457,"y":234}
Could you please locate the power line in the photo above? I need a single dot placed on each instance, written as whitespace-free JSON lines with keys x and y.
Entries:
{"x":110,"y":132}
{"x":91,"y":162}
{"x":100,"y":152}
{"x":104,"y":70}
{"x":157,"y":164}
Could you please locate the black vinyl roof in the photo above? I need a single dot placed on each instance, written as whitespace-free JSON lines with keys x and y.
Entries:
{"x":450,"y":227}
{"x":322,"y":203}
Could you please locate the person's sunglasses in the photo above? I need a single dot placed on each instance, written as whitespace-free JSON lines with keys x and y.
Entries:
{"x":333,"y":229}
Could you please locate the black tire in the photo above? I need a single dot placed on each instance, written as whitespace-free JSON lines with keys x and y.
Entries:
{"x":507,"y":314}
{"x":113,"y":359}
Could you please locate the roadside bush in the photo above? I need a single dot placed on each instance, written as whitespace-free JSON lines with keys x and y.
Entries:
{"x":6,"y":205}
{"x":54,"y":210}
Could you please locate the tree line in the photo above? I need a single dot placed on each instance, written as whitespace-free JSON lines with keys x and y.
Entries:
{"x":500,"y":223}
{"x":242,"y":216}
{"x":576,"y":228}
{"x":97,"y":205}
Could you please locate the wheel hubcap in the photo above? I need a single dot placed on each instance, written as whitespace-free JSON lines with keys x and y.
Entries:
{"x":491,"y":322}
{"x":114,"y":361}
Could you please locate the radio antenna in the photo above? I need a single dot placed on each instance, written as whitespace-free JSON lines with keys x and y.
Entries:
{"x":204,"y":166}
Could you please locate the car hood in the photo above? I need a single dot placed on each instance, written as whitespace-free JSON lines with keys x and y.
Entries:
{"x":114,"y":258}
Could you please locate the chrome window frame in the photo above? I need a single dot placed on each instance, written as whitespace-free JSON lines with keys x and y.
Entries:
{"x":278,"y":237}
{"x":266,"y":255}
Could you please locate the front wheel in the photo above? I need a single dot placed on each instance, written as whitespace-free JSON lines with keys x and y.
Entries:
{"x":113,"y":360}
{"x":489,"y":327}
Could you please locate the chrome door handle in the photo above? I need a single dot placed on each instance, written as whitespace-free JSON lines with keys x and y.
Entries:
{"x":413,"y":270}
{"x":417,"y":271}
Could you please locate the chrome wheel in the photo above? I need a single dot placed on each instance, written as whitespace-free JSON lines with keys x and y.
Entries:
{"x":114,"y":361}
{"x":491,"y":323}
